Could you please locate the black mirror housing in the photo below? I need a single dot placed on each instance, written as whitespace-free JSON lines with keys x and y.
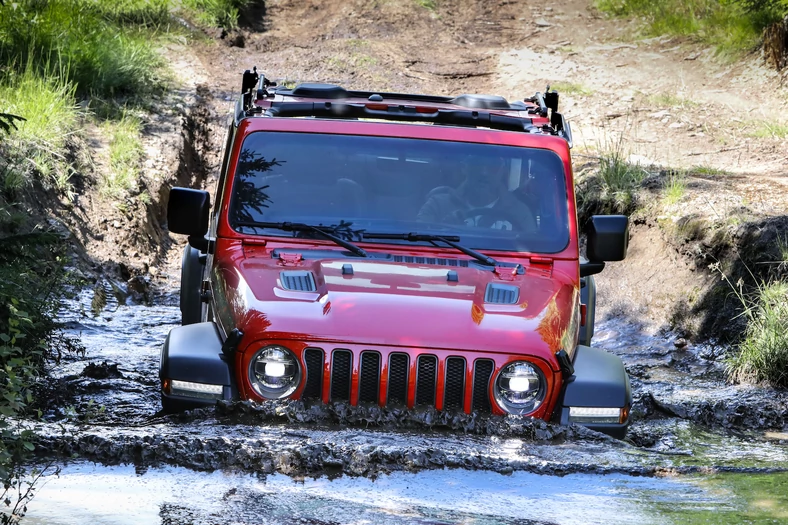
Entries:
{"x":188,"y":211}
{"x":608,"y":238}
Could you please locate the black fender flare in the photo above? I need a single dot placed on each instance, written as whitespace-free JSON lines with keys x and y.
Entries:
{"x":192,"y":268}
{"x":193,"y":353}
{"x":599,"y":380}
{"x":588,"y":298}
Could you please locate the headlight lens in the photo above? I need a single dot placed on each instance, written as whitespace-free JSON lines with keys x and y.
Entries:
{"x":520,"y":388}
{"x":274,"y":372}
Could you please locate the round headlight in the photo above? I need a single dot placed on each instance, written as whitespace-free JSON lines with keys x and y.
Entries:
{"x":520,"y":388}
{"x":274,"y":372}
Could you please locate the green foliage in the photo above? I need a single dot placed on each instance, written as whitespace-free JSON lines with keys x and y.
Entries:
{"x":430,"y":5}
{"x":32,"y":281}
{"x":731,"y":26}
{"x":37,"y":145}
{"x":216,"y":13}
{"x":612,"y":187}
{"x":675,"y":186}
{"x":571,"y":88}
{"x":763,"y":354}
{"x":81,"y":41}
{"x":125,"y":154}
{"x":767,"y":130}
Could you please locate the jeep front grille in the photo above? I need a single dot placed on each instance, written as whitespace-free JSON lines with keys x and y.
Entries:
{"x":426,"y":380}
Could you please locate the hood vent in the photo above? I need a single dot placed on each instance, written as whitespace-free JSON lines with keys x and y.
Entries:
{"x":501,"y":294}
{"x":430,"y":260}
{"x":298,"y":281}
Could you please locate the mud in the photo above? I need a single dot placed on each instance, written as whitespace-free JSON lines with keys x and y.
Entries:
{"x":686,"y":419}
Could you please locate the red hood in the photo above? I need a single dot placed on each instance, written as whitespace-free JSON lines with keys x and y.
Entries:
{"x":409,"y":305}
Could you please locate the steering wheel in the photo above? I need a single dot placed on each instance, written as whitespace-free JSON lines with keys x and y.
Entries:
{"x":489,"y":216}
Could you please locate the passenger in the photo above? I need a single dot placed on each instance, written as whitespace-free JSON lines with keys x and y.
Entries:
{"x":481,"y":200}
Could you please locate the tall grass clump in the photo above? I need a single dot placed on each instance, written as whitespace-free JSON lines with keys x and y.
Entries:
{"x":37,"y":146}
{"x":611,"y":187}
{"x":762,"y":356}
{"x":216,"y":13}
{"x":732,"y":26}
{"x":125,"y":154}
{"x":76,"y":38}
{"x":675,"y":186}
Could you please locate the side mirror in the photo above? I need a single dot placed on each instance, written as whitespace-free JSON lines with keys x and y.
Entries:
{"x":607,"y":240}
{"x":188,"y":213}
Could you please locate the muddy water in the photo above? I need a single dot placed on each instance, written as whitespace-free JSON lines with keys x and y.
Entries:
{"x":695,"y":448}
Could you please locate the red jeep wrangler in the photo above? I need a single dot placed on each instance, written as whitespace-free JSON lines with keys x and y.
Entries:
{"x":394,"y":249}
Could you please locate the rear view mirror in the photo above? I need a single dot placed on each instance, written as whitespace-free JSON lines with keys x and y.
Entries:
{"x":188,"y":211}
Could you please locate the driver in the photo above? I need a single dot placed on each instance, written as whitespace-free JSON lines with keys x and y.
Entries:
{"x":481,"y":200}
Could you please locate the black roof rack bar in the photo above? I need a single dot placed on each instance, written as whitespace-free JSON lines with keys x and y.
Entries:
{"x":401,"y":113}
{"x":334,"y":92}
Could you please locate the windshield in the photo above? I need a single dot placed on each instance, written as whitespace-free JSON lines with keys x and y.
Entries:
{"x":492,"y":197}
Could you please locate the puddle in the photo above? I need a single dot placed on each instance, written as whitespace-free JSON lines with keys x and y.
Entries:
{"x":86,"y":493}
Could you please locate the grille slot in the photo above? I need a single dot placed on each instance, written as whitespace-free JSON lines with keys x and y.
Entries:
{"x":313,"y":389}
{"x":369,"y":377}
{"x":398,"y":378}
{"x":501,"y":294}
{"x":454,"y":388}
{"x":299,"y":281}
{"x":340,"y":375}
{"x":482,"y":371}
{"x":426,"y":379}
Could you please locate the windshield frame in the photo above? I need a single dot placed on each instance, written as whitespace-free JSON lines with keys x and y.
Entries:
{"x":251,"y":126}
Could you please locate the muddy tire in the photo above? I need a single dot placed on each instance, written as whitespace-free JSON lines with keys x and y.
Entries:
{"x":191,"y":282}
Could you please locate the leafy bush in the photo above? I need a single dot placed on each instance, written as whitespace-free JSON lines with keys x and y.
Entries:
{"x":32,"y":281}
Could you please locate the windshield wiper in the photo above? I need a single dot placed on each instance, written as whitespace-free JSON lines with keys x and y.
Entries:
{"x":451,"y":240}
{"x":325,"y":231}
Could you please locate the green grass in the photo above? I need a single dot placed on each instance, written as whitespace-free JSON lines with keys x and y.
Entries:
{"x":774,"y":130}
{"x":732,"y":26}
{"x":675,"y":187}
{"x":430,"y":5}
{"x":125,"y":155}
{"x":763,"y":354}
{"x":37,"y":147}
{"x":612,"y":187}
{"x":76,"y":39}
{"x":707,"y":171}
{"x":216,"y":13}
{"x":571,"y":88}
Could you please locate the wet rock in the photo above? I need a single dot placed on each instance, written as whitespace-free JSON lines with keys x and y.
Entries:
{"x":680,"y":342}
{"x":102,"y":370}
